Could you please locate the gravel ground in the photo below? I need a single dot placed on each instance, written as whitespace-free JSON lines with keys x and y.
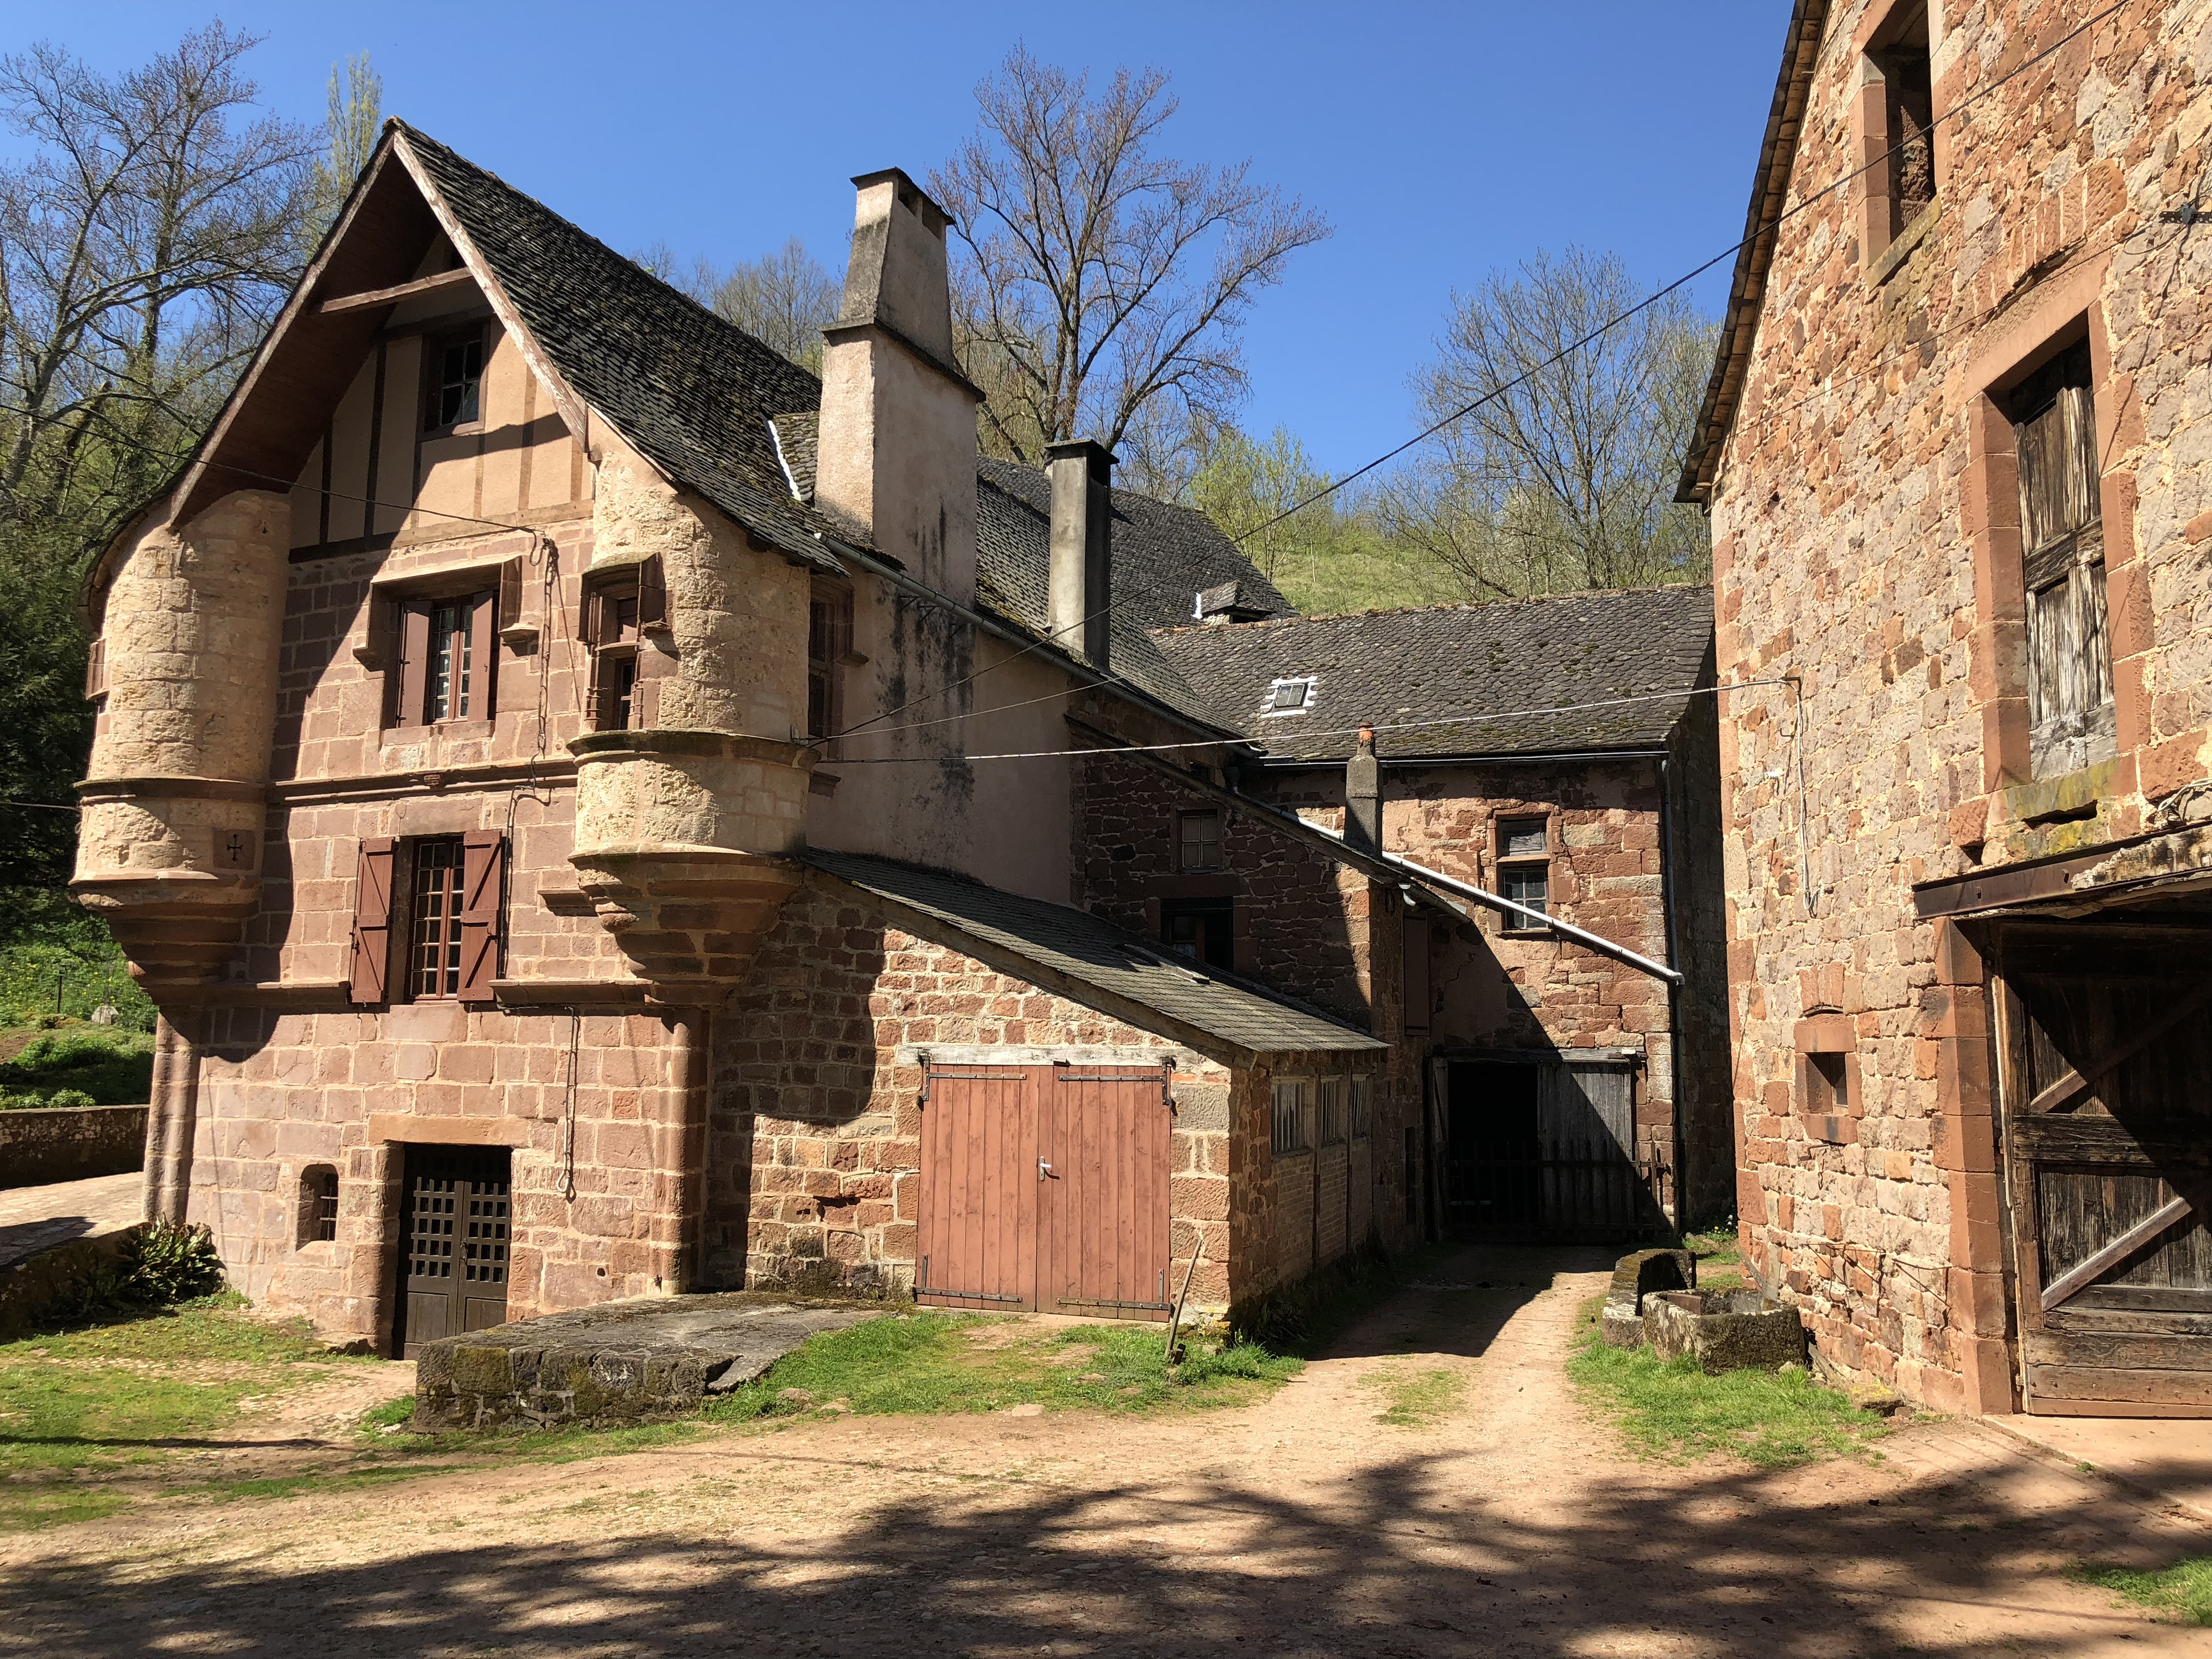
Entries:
{"x":1512,"y":1524}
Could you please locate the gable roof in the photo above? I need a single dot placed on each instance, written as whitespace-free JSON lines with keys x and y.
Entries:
{"x":693,"y":391}
{"x":1096,"y":963}
{"x":1476,"y":668}
{"x":1754,"y":257}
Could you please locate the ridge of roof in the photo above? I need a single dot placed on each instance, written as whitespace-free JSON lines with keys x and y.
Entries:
{"x":1299,"y":618}
{"x":1754,"y":258}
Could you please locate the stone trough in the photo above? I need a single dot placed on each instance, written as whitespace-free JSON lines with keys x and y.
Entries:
{"x":617,"y":1362}
{"x":1654,"y":1300}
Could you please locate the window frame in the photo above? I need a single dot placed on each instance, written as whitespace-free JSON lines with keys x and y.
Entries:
{"x":1272,"y":708}
{"x":435,"y":345}
{"x":1217,"y":942}
{"x":1358,"y":1105}
{"x":1331,"y":1112}
{"x":1289,"y":1130}
{"x":1506,"y":865}
{"x":828,"y":653}
{"x":615,"y":697}
{"x":1184,"y":816}
{"x":414,"y":630}
{"x":417,"y":849}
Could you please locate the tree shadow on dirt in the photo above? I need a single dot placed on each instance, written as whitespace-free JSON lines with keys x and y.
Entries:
{"x":1413,"y":1558}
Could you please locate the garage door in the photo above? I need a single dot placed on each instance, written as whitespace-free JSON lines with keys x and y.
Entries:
{"x":1045,"y":1188}
{"x":2105,"y":1038}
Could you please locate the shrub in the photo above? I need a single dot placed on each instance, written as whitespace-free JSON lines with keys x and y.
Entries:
{"x":72,"y":1099}
{"x":162,"y":1264}
{"x":101,"y":1067}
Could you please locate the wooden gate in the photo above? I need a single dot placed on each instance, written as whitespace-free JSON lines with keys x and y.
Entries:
{"x":1045,"y":1188}
{"x":454,"y":1256}
{"x":1539,"y":1149}
{"x":2105,"y":1038}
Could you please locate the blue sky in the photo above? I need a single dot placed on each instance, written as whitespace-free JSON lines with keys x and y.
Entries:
{"x":1440,"y":141}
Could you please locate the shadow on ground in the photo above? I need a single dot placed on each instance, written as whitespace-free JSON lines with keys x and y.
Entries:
{"x":1405,"y":1560}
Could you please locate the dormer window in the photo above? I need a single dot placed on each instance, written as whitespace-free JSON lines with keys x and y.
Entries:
{"x":1290,"y":696}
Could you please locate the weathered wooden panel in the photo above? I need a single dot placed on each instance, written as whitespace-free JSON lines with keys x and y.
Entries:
{"x":979,"y":1200}
{"x":2141,"y":1385}
{"x":1105,"y":1238}
{"x":2120,"y":1352}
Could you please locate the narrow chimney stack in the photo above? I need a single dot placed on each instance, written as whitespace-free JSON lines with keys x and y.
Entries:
{"x":896,"y":467}
{"x":1082,"y":579}
{"x":1362,"y":795}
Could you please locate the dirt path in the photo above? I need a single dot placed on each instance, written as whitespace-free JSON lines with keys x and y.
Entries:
{"x":1510,"y":1525}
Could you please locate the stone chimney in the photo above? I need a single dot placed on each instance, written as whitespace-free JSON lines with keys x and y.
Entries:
{"x":1362,"y":796}
{"x":896,"y":467}
{"x":1082,"y":474}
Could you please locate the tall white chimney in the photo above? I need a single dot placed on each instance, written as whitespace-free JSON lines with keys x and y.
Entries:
{"x":1082,"y":573}
{"x":897,"y":466}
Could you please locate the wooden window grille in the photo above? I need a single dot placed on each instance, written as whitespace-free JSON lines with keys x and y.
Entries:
{"x":326,"y":1200}
{"x":2069,"y":686}
{"x":1524,"y":869}
{"x":1199,"y":840}
{"x":1290,"y":1128}
{"x":1330,"y":1093}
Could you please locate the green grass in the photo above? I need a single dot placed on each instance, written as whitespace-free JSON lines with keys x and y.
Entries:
{"x":1720,"y":1258}
{"x":80,"y":1407}
{"x":77,"y":1065}
{"x":935,"y":1364}
{"x":320,"y":1480}
{"x":1415,"y":1399}
{"x":1669,"y":1408}
{"x":2182,"y":1590}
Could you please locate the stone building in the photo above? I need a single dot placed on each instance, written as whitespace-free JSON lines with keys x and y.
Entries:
{"x":604,"y":814}
{"x":1955,"y":449}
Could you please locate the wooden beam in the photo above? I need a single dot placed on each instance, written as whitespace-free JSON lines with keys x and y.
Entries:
{"x":388,"y":296}
{"x":2115,"y":1252}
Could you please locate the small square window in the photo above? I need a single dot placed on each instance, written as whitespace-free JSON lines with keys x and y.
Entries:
{"x":1286,"y":696}
{"x":1198,"y":840}
{"x":326,"y":1205}
{"x":1522,"y":838}
{"x":1331,"y":1092}
{"x":1358,"y":1088}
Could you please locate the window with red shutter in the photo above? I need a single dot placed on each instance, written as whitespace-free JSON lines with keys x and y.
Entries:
{"x":372,"y":918}
{"x":483,"y":882}
{"x":448,"y":659}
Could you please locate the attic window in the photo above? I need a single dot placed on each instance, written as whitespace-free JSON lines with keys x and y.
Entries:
{"x":1289,"y":696}
{"x":457,"y":372}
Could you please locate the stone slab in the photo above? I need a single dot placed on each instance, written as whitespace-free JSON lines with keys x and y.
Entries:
{"x":617,"y":1362}
{"x":2166,"y":1459}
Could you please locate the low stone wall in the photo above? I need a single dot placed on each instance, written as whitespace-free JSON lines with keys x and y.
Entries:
{"x":29,"y":1289}
{"x":42,"y":1144}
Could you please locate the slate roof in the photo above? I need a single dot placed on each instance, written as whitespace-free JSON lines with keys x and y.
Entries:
{"x":692,"y":392}
{"x":1474,"y":667}
{"x":1129,"y":970}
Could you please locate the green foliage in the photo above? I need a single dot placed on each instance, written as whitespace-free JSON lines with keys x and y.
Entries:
{"x":932,"y":1363}
{"x":2182,"y":1590}
{"x":50,"y":944}
{"x":159,"y":1266}
{"x":1670,"y":1408}
{"x":1414,"y":1399}
{"x":80,"y":1066}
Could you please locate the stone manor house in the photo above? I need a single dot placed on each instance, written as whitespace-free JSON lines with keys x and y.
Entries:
{"x":1958,"y":452}
{"x":604,"y":813}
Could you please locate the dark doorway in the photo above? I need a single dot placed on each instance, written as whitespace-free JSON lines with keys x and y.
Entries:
{"x":453,"y":1243}
{"x":1543,"y":1148}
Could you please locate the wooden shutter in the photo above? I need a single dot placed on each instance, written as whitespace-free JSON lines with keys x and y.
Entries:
{"x":588,"y":616}
{"x":372,"y":918}
{"x":483,"y":878}
{"x":652,"y":595}
{"x":414,"y":663}
{"x":510,"y":593}
{"x":95,"y":669}
{"x":483,"y":658}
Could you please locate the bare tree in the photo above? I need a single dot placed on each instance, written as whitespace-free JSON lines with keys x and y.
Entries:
{"x":1096,"y":279}
{"x":784,"y":299}
{"x":1562,"y":475}
{"x":144,"y":246}
{"x":349,"y":135}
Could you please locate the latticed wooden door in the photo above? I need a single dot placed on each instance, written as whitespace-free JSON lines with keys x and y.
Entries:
{"x":2106,"y":1048}
{"x":455,"y":1243}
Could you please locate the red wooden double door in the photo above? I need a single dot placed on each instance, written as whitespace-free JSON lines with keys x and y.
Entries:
{"x":1045,"y":1188}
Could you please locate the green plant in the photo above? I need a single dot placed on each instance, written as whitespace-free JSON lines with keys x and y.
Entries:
{"x":92,"y":1065}
{"x":2184,"y":1589}
{"x":69,"y":1099}
{"x":173,"y":1263}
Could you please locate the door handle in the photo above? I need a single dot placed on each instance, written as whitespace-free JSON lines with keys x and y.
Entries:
{"x":1044,"y":1171}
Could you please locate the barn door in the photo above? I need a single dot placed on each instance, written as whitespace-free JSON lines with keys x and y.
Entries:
{"x":1103,"y":1248}
{"x":454,"y":1260}
{"x":980,"y":1180}
{"x":1586,"y":1126}
{"x":1045,"y":1188}
{"x":2105,"y":1049}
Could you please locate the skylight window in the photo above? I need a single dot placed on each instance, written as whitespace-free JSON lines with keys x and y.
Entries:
{"x":1290,"y":696}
